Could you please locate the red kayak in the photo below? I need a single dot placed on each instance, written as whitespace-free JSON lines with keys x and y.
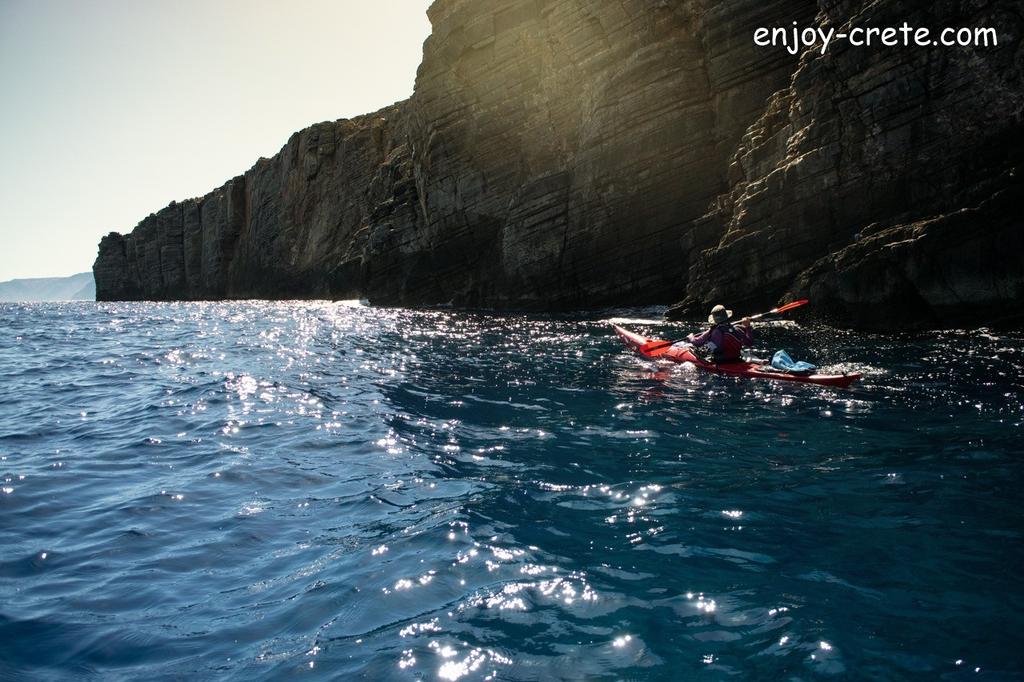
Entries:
{"x":740,"y":369}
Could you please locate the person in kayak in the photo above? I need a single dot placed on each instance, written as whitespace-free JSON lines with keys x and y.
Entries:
{"x":725,"y":340}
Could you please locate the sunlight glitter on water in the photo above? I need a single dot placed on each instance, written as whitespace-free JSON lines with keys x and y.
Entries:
{"x":444,"y":495}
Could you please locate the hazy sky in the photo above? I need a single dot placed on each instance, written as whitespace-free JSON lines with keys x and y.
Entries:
{"x":110,"y":109}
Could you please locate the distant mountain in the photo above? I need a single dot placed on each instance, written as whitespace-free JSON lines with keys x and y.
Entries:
{"x":80,"y":287}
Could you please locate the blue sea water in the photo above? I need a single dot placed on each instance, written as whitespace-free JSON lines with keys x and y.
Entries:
{"x":255,"y":491}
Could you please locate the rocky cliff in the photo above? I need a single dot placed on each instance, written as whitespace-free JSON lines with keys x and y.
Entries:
{"x":882,"y":183}
{"x":563,"y":154}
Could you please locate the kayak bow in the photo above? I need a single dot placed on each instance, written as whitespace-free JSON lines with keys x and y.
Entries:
{"x":753,"y":370}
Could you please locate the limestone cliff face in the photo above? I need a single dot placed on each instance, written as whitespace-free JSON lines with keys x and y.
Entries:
{"x":561,"y":148}
{"x":567,"y":153}
{"x":884,"y":184}
{"x":288,"y":228}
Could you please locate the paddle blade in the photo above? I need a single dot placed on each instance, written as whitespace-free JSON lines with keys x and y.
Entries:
{"x":790,"y":306}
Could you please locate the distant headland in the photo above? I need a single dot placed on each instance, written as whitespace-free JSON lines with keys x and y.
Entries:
{"x":78,"y":287}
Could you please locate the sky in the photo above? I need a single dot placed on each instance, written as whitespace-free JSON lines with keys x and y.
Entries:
{"x":111,"y":109}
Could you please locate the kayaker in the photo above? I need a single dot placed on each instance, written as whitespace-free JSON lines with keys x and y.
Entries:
{"x":725,"y":340}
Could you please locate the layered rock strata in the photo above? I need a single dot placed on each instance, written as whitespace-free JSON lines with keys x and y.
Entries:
{"x":884,"y":184}
{"x":550,"y":157}
{"x":563,"y":154}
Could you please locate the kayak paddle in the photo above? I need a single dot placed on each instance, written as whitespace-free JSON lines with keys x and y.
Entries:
{"x":648,"y":347}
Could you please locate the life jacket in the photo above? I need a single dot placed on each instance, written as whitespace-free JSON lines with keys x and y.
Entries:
{"x":732,"y":344}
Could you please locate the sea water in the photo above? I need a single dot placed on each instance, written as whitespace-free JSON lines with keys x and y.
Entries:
{"x":257,"y":490}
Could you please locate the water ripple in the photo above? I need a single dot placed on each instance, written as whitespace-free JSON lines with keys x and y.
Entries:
{"x":254,"y":490}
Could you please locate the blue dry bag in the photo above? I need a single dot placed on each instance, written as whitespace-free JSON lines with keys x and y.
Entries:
{"x":781,"y":361}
